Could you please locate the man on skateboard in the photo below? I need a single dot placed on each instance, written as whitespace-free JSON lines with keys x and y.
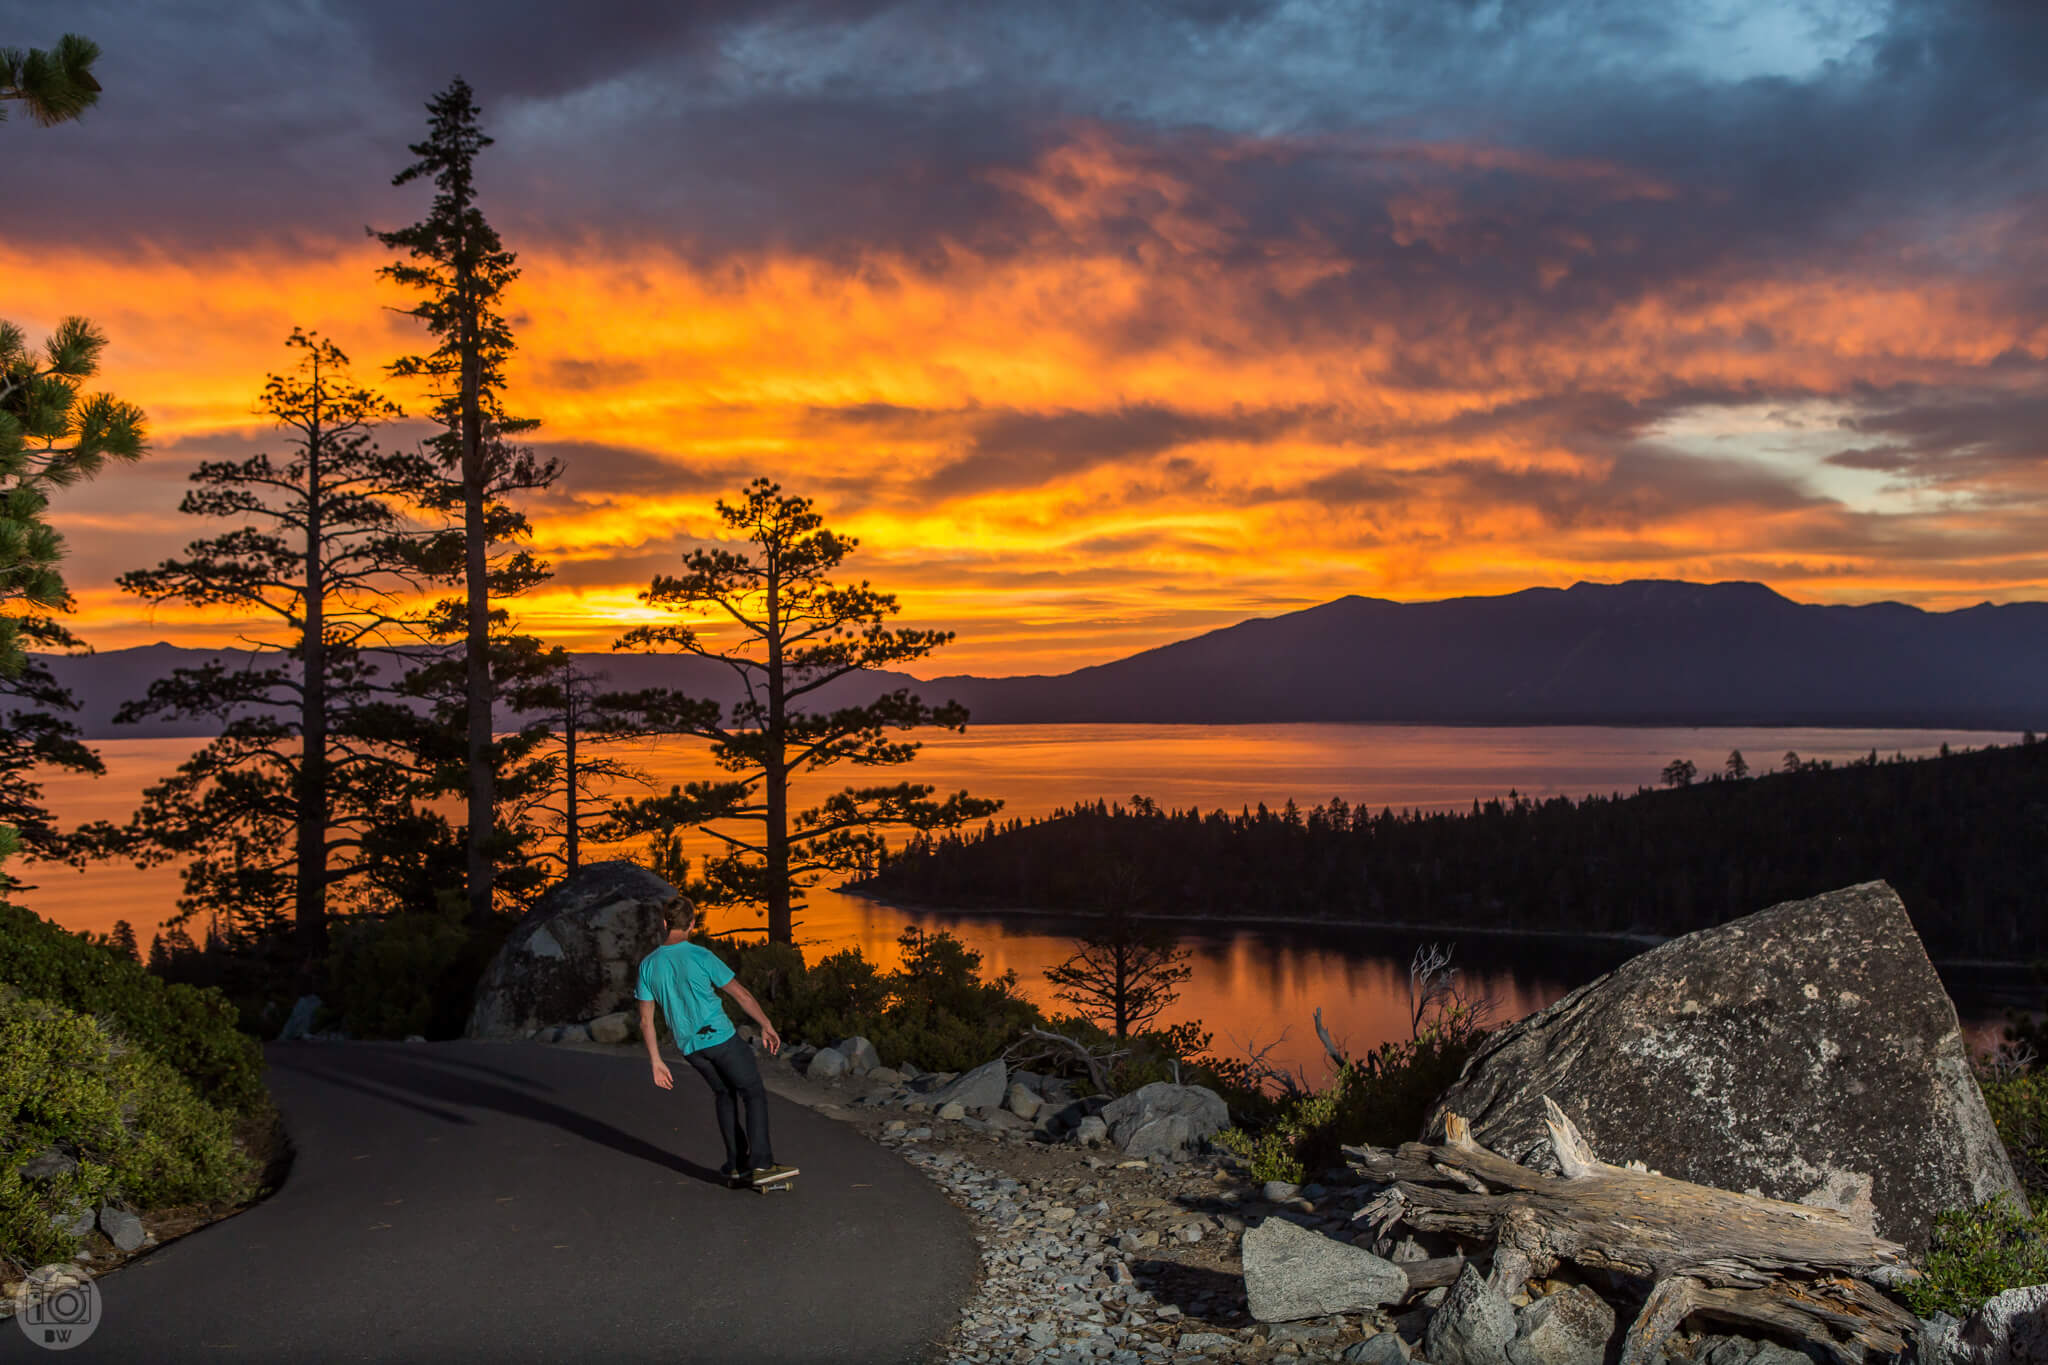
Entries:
{"x":684,"y":979}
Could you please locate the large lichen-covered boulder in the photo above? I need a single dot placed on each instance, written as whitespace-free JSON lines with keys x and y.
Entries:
{"x":1162,"y":1119}
{"x":575,"y":955}
{"x":1806,"y":1052}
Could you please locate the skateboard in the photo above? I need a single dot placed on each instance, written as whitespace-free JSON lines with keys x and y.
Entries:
{"x":786,"y":1182}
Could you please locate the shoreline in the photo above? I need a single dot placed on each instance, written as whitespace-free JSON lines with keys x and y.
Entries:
{"x":1588,"y":936}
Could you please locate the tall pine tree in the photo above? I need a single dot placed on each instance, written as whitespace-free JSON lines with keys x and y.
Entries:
{"x":272,"y":814}
{"x":455,"y":260}
{"x":787,"y":630}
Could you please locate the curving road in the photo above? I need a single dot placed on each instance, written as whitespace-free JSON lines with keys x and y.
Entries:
{"x":511,"y":1202}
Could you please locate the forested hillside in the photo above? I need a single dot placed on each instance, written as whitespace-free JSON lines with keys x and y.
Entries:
{"x":1963,"y":837}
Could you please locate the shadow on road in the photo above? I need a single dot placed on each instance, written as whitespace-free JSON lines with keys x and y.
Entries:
{"x":423,"y":1076}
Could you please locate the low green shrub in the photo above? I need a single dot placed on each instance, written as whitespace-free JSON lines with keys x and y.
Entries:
{"x":936,"y":1010}
{"x":393,"y":976}
{"x":2019,"y":1106}
{"x":1378,"y":1100}
{"x":192,"y":1030}
{"x":140,"y":1132}
{"x":1979,"y":1252}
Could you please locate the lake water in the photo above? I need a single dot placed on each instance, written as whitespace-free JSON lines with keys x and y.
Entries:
{"x":1251,"y":983}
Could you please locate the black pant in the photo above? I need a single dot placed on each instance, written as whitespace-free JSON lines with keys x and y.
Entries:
{"x":728,"y":1068}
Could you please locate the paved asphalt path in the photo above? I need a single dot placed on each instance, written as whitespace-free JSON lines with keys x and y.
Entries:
{"x":511,"y":1202}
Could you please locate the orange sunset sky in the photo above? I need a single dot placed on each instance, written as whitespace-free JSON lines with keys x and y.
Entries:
{"x":1102,"y":326}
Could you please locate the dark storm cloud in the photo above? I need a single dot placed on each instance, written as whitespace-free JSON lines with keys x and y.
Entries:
{"x":1977,"y":436}
{"x":841,"y":126}
{"x":1014,"y":450}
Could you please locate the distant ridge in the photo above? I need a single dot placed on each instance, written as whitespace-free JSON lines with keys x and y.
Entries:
{"x":1645,"y":652}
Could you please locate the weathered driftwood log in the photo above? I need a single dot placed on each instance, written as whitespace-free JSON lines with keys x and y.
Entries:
{"x":1738,"y":1258}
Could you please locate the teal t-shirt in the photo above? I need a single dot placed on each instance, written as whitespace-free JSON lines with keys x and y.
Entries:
{"x":683,"y":979}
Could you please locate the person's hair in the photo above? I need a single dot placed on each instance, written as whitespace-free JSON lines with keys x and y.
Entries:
{"x":679,"y":911}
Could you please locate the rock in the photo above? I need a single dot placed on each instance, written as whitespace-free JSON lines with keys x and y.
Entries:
{"x":48,"y":1164}
{"x":909,"y":1070}
{"x":1382,"y":1348}
{"x":1023,"y":1101}
{"x":300,"y":1021}
{"x":1292,"y":1273}
{"x":827,"y":1064}
{"x":576,"y":954}
{"x":860,"y":1054}
{"x":616,"y":1027}
{"x":952,"y":1111}
{"x":1007,"y":1122}
{"x":1806,"y":1052}
{"x":1472,"y":1327}
{"x":1279,"y":1191}
{"x":572,"y":1033}
{"x":415,"y":1037}
{"x":1204,"y":1341}
{"x":1939,"y":1342}
{"x":1162,"y":1118}
{"x":76,"y":1223}
{"x":1090,"y":1132}
{"x":1570,"y":1327}
{"x":123,"y":1228}
{"x":883,"y":1075}
{"x":2009,"y":1329}
{"x":981,"y":1088}
{"x":1773,"y":1353}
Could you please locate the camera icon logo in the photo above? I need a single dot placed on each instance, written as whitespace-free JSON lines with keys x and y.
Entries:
{"x":57,"y":1306}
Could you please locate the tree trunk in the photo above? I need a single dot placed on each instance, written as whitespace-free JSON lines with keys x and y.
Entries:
{"x":1738,"y":1258}
{"x":775,"y":781}
{"x":311,"y":889}
{"x":476,"y":573}
{"x":569,"y":816}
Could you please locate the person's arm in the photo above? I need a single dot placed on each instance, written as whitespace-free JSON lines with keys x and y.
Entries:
{"x":663,"y":1077}
{"x":770,"y":1039}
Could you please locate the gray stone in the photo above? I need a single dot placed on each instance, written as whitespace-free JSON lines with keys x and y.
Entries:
{"x":1023,"y":1100}
{"x":1008,"y":1122}
{"x":909,"y":1070}
{"x":76,"y":1223}
{"x":1280,"y":1191}
{"x":300,"y":1022}
{"x":415,"y":1037}
{"x":1724,"y":1350}
{"x":1774,"y":1353}
{"x":615,"y":1027}
{"x":572,"y":1033}
{"x":123,"y":1228}
{"x":2009,"y":1329}
{"x":576,"y":954}
{"x":1291,"y":1272}
{"x":981,"y":1088}
{"x":952,"y":1111}
{"x":829,"y":1064}
{"x":1091,"y":1131}
{"x":1204,"y":1342}
{"x":1570,"y":1327}
{"x":48,"y":1164}
{"x":1806,"y":1052}
{"x":883,"y":1075}
{"x":1473,"y":1326}
{"x":1938,"y":1342}
{"x":1382,"y":1348}
{"x":860,"y":1054}
{"x":1163,"y":1118}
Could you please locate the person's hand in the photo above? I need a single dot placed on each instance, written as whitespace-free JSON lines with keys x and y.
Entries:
{"x":770,"y":1039}
{"x":663,"y":1077}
